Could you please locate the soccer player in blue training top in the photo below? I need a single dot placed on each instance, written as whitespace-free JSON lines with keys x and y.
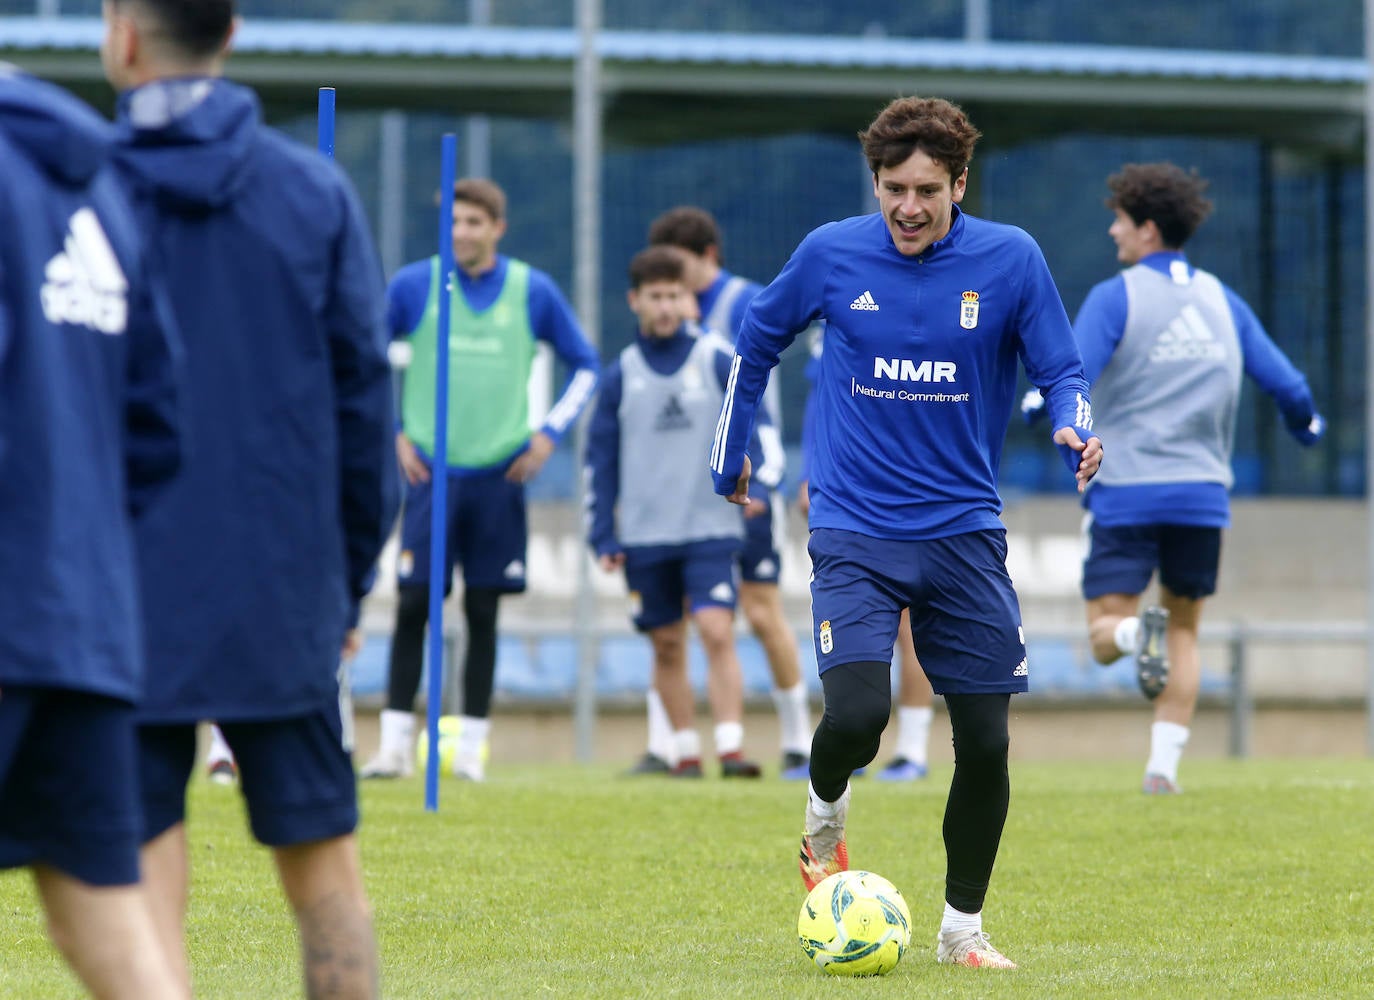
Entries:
{"x":254,"y":564}
{"x":649,"y":516}
{"x":89,"y":430}
{"x":501,"y":309}
{"x":722,"y":298}
{"x":926,"y":311}
{"x":1164,"y":345}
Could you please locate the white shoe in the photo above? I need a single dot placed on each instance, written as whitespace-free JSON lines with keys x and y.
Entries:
{"x":392,"y":763}
{"x":471,"y":766}
{"x":971,"y":949}
{"x":396,"y":758}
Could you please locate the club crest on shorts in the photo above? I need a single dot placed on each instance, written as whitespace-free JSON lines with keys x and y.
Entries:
{"x":827,"y":637}
{"x":968,"y":311}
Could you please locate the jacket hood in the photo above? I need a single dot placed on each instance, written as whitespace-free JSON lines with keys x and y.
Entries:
{"x":188,"y":140}
{"x":60,"y":133}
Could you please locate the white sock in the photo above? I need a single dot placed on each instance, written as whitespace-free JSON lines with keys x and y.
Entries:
{"x":688,"y":745}
{"x":729,"y":737}
{"x":219,"y":749}
{"x":398,"y":732}
{"x":957,"y":921}
{"x":1127,"y":635}
{"x":913,"y":733}
{"x":1167,"y":740}
{"x":821,"y":807}
{"x":794,"y":719}
{"x":472,"y":737}
{"x":660,"y":729}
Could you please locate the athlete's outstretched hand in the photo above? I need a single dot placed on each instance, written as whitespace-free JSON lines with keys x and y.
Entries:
{"x":741,"y":494}
{"x":1089,"y":454}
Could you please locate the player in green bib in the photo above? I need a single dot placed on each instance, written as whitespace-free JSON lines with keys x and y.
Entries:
{"x":499,"y":308}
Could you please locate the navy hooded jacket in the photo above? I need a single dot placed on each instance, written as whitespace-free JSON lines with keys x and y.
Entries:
{"x":88,"y":417}
{"x":263,"y":546}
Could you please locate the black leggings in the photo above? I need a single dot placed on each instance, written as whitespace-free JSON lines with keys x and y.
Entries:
{"x":858,"y":703}
{"x":480,"y":605}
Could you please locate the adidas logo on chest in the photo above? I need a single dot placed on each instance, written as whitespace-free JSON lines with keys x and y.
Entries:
{"x":864,"y":303}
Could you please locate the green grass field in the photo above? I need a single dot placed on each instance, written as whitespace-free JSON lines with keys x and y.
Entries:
{"x":568,"y":882}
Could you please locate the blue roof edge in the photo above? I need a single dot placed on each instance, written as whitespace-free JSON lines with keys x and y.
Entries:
{"x":269,"y":36}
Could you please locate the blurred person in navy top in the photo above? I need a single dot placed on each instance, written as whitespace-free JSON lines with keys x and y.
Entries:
{"x":90,"y":432}
{"x":253,"y":567}
{"x":926,"y":310}
{"x":1164,"y":347}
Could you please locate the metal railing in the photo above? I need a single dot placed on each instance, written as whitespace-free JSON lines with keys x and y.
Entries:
{"x":1237,"y":638}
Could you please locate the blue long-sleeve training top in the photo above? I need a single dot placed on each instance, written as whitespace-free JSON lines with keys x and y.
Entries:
{"x":602,"y":459}
{"x":916,"y":383}
{"x":1169,"y":398}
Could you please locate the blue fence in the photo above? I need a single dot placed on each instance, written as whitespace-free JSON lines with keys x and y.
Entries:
{"x":539,"y":669}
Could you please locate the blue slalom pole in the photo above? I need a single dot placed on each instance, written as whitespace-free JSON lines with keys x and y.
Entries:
{"x":326,"y":122}
{"x":438,"y":512}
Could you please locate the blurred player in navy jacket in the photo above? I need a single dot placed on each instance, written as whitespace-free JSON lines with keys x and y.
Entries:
{"x":89,"y":431}
{"x":253,"y":569}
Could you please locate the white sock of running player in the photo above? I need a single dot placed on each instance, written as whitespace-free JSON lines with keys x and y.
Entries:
{"x":1127,"y":635}
{"x":913,"y":733}
{"x":729,"y":738}
{"x":219,"y":748}
{"x":958,"y":922}
{"x":794,"y":719}
{"x":1167,"y":740}
{"x":688,"y":745}
{"x":660,"y":729}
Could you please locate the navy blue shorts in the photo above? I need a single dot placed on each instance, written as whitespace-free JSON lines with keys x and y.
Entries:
{"x":69,"y":784}
{"x":296,"y":776}
{"x":760,"y":560}
{"x":965,"y":618}
{"x":1122,"y":560}
{"x":486,"y":533}
{"x":661,"y":590}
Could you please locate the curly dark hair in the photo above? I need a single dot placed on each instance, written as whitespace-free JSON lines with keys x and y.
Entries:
{"x":1165,"y":193}
{"x":933,"y":125}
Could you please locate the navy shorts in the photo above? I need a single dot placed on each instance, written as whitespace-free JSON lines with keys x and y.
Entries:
{"x":1121,"y":560}
{"x":69,"y":784}
{"x":486,"y":533}
{"x":661,"y":590}
{"x":296,"y":776}
{"x":965,"y":617}
{"x":760,"y":559}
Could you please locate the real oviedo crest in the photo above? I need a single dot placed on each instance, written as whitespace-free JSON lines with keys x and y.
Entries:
{"x":968,"y":311}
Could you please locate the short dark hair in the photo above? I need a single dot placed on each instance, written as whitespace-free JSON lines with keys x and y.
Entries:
{"x":933,"y":125}
{"x":196,"y":27}
{"x":657,"y":263}
{"x":486,"y":195}
{"x":1165,"y":193}
{"x":686,"y":226}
